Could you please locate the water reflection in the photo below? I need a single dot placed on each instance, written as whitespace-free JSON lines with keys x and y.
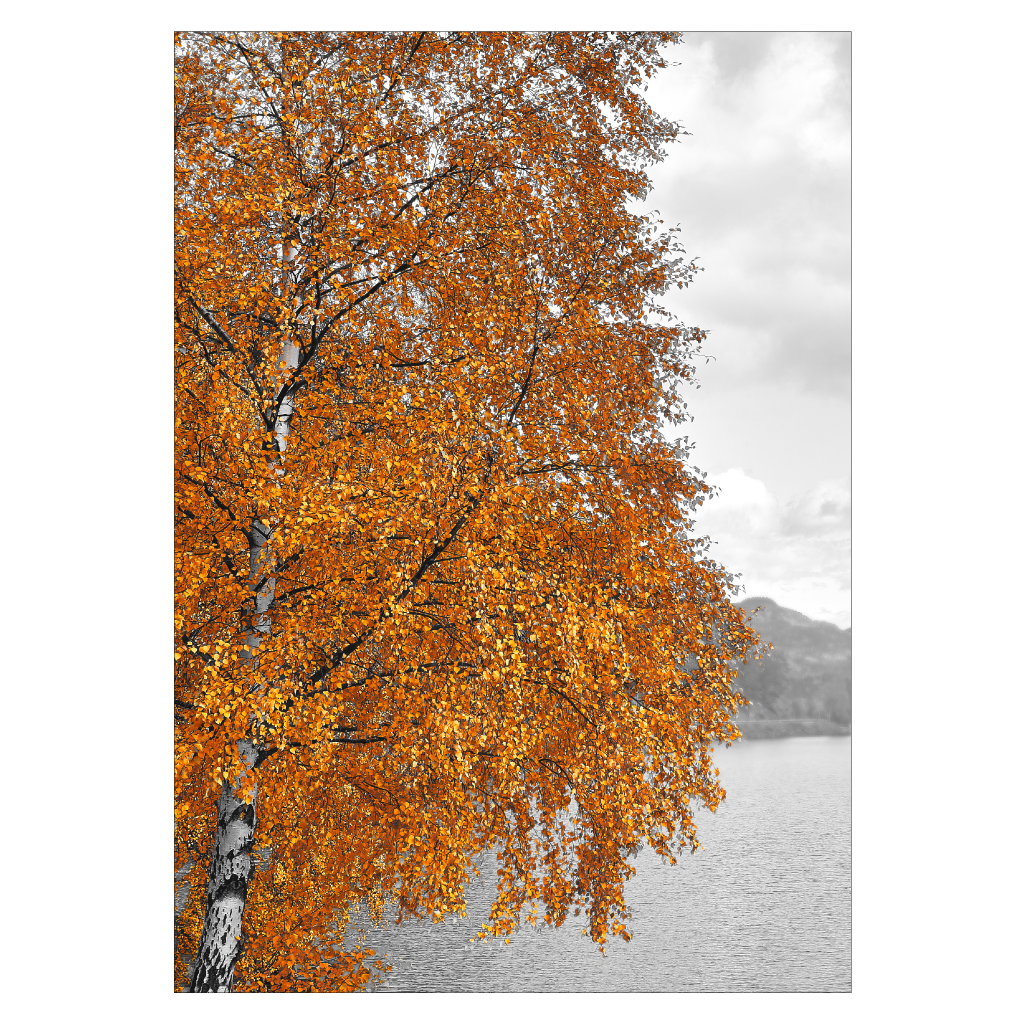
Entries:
{"x":765,"y":906}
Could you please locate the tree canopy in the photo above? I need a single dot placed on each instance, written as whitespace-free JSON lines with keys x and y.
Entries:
{"x":436,"y":587}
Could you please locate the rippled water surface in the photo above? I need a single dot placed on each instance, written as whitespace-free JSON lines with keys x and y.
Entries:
{"x":764,"y":906}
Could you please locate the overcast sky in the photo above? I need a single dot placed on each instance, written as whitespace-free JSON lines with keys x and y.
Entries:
{"x":762,"y":190}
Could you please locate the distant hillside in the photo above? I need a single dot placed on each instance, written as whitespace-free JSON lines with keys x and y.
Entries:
{"x":803,"y":685}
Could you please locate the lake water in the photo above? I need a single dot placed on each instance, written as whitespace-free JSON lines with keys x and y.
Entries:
{"x":765,"y":906}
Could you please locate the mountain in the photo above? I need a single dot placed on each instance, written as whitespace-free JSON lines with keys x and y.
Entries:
{"x":803,"y":685}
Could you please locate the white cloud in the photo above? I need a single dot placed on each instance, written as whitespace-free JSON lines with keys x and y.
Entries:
{"x":797,"y":552}
{"x":761,"y":190}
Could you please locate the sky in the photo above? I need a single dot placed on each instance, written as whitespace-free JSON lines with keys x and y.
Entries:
{"x":761,"y":189}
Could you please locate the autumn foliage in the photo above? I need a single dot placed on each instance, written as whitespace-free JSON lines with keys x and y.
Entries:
{"x":420,"y":370}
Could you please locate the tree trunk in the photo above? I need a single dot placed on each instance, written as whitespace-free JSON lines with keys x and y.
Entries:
{"x":232,"y":864}
{"x":231,"y":869}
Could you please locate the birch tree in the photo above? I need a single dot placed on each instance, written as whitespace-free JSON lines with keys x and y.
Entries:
{"x":437,"y":590}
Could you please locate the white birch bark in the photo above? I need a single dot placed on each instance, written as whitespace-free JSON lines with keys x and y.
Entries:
{"x":232,"y":861}
{"x":231,"y":870}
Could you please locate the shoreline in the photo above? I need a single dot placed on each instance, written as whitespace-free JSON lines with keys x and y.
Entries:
{"x":785,"y":728}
